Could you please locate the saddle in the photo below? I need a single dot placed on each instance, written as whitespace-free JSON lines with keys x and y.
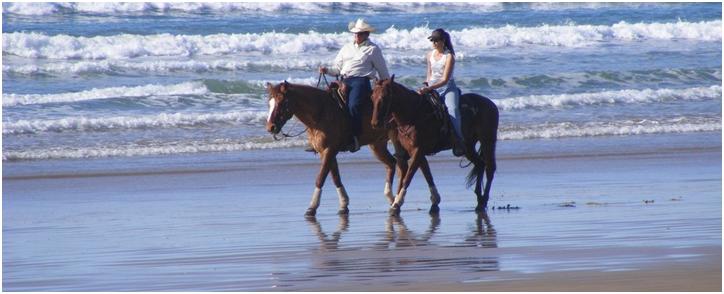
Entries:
{"x":440,"y":112}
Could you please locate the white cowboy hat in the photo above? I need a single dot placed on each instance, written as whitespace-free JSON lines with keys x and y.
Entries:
{"x":360,"y":26}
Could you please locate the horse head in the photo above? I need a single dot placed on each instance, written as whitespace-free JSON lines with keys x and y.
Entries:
{"x":279,"y":110}
{"x":381,"y":101}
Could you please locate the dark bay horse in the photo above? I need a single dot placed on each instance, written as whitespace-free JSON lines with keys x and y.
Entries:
{"x":419,"y":134}
{"x":328,"y":133}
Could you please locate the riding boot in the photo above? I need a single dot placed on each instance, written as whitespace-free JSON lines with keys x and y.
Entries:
{"x":354,"y":145}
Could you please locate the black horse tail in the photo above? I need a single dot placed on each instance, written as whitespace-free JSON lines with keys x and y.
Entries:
{"x":478,"y":167}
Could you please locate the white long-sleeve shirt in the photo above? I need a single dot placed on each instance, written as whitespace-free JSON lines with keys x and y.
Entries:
{"x":360,"y":60}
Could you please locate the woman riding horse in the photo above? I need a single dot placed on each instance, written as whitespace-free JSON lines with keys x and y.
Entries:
{"x":418,"y":132}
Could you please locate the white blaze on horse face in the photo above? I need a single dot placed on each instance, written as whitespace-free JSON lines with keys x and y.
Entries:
{"x":272,"y":105}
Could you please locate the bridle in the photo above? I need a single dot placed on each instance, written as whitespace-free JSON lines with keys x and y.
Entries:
{"x":386,"y":104}
{"x":283,"y":114}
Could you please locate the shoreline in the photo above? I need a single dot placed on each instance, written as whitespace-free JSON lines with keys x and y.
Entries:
{"x":626,"y":220}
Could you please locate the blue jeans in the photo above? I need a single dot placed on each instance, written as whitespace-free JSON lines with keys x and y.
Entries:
{"x":451,"y":96}
{"x":358,"y":95}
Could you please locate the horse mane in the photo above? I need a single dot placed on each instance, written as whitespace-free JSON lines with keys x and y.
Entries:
{"x":407,"y":91}
{"x":403,"y":87}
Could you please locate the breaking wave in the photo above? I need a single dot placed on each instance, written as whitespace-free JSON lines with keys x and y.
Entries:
{"x":163,"y":120}
{"x":611,"y":97}
{"x":611,"y":128}
{"x":125,"y":46}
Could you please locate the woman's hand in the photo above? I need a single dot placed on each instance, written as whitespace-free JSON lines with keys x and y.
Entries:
{"x":424,"y":90}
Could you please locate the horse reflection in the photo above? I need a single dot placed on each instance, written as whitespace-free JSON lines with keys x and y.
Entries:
{"x":329,"y":242}
{"x":484,"y":235}
{"x":397,"y":235}
{"x":400,"y":255}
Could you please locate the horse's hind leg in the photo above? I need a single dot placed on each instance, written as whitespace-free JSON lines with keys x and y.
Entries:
{"x":490,"y":167}
{"x":487,"y":154}
{"x":381,"y":152}
{"x":434,"y":195}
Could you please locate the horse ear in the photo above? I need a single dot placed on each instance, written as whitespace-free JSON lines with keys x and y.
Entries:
{"x":284,"y":86}
{"x":392,"y":79}
{"x":268,"y":86}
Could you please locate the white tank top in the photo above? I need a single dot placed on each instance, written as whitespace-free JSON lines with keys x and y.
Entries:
{"x":437,"y":67}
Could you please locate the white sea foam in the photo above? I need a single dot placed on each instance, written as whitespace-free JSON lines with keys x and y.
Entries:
{"x":125,"y":46}
{"x":153,"y":149}
{"x":163,"y":120}
{"x":116,"y":8}
{"x":611,"y":128}
{"x":611,"y":97}
{"x":187,"y":88}
{"x":111,"y":66}
{"x":546,"y":131}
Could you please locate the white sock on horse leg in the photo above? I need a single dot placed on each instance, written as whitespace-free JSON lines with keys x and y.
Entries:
{"x":388,"y":192}
{"x":315,"y":198}
{"x":401,"y":197}
{"x":343,"y":197}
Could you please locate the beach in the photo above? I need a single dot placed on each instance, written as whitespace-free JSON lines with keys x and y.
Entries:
{"x":135,"y":155}
{"x":623,"y":218}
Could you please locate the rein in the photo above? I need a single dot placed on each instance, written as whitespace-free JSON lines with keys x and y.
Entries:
{"x":286,"y":135}
{"x":319,"y":80}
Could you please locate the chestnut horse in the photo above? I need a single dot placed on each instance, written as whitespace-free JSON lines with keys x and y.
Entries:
{"x":328,"y":133}
{"x":419,"y":134}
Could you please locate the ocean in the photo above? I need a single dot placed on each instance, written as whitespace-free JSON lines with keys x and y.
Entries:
{"x":120,"y":81}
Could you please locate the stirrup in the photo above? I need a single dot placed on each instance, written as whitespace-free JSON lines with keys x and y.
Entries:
{"x":354,"y":147}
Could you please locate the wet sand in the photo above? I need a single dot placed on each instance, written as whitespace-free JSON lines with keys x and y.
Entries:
{"x":588,"y":221}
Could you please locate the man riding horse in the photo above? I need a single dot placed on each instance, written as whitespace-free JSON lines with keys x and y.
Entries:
{"x":356,"y":63}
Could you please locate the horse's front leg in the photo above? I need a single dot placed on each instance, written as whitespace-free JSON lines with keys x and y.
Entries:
{"x":383,"y":155}
{"x":401,"y":159}
{"x":341,"y":192}
{"x":434,"y":195}
{"x":321,"y":177}
{"x":400,"y":198}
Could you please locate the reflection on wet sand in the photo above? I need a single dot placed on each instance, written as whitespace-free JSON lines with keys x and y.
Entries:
{"x":484,"y":235}
{"x":329,"y":241}
{"x":400,"y":251}
{"x":404,"y":237}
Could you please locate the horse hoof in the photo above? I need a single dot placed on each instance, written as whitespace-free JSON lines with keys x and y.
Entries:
{"x":343,"y":211}
{"x":394,"y":211}
{"x":310,"y":212}
{"x":434,"y":209}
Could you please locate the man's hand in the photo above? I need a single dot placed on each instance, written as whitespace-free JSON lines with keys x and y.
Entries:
{"x":322,"y":70}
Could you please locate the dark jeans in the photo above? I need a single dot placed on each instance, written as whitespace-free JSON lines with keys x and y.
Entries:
{"x":358,"y":95}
